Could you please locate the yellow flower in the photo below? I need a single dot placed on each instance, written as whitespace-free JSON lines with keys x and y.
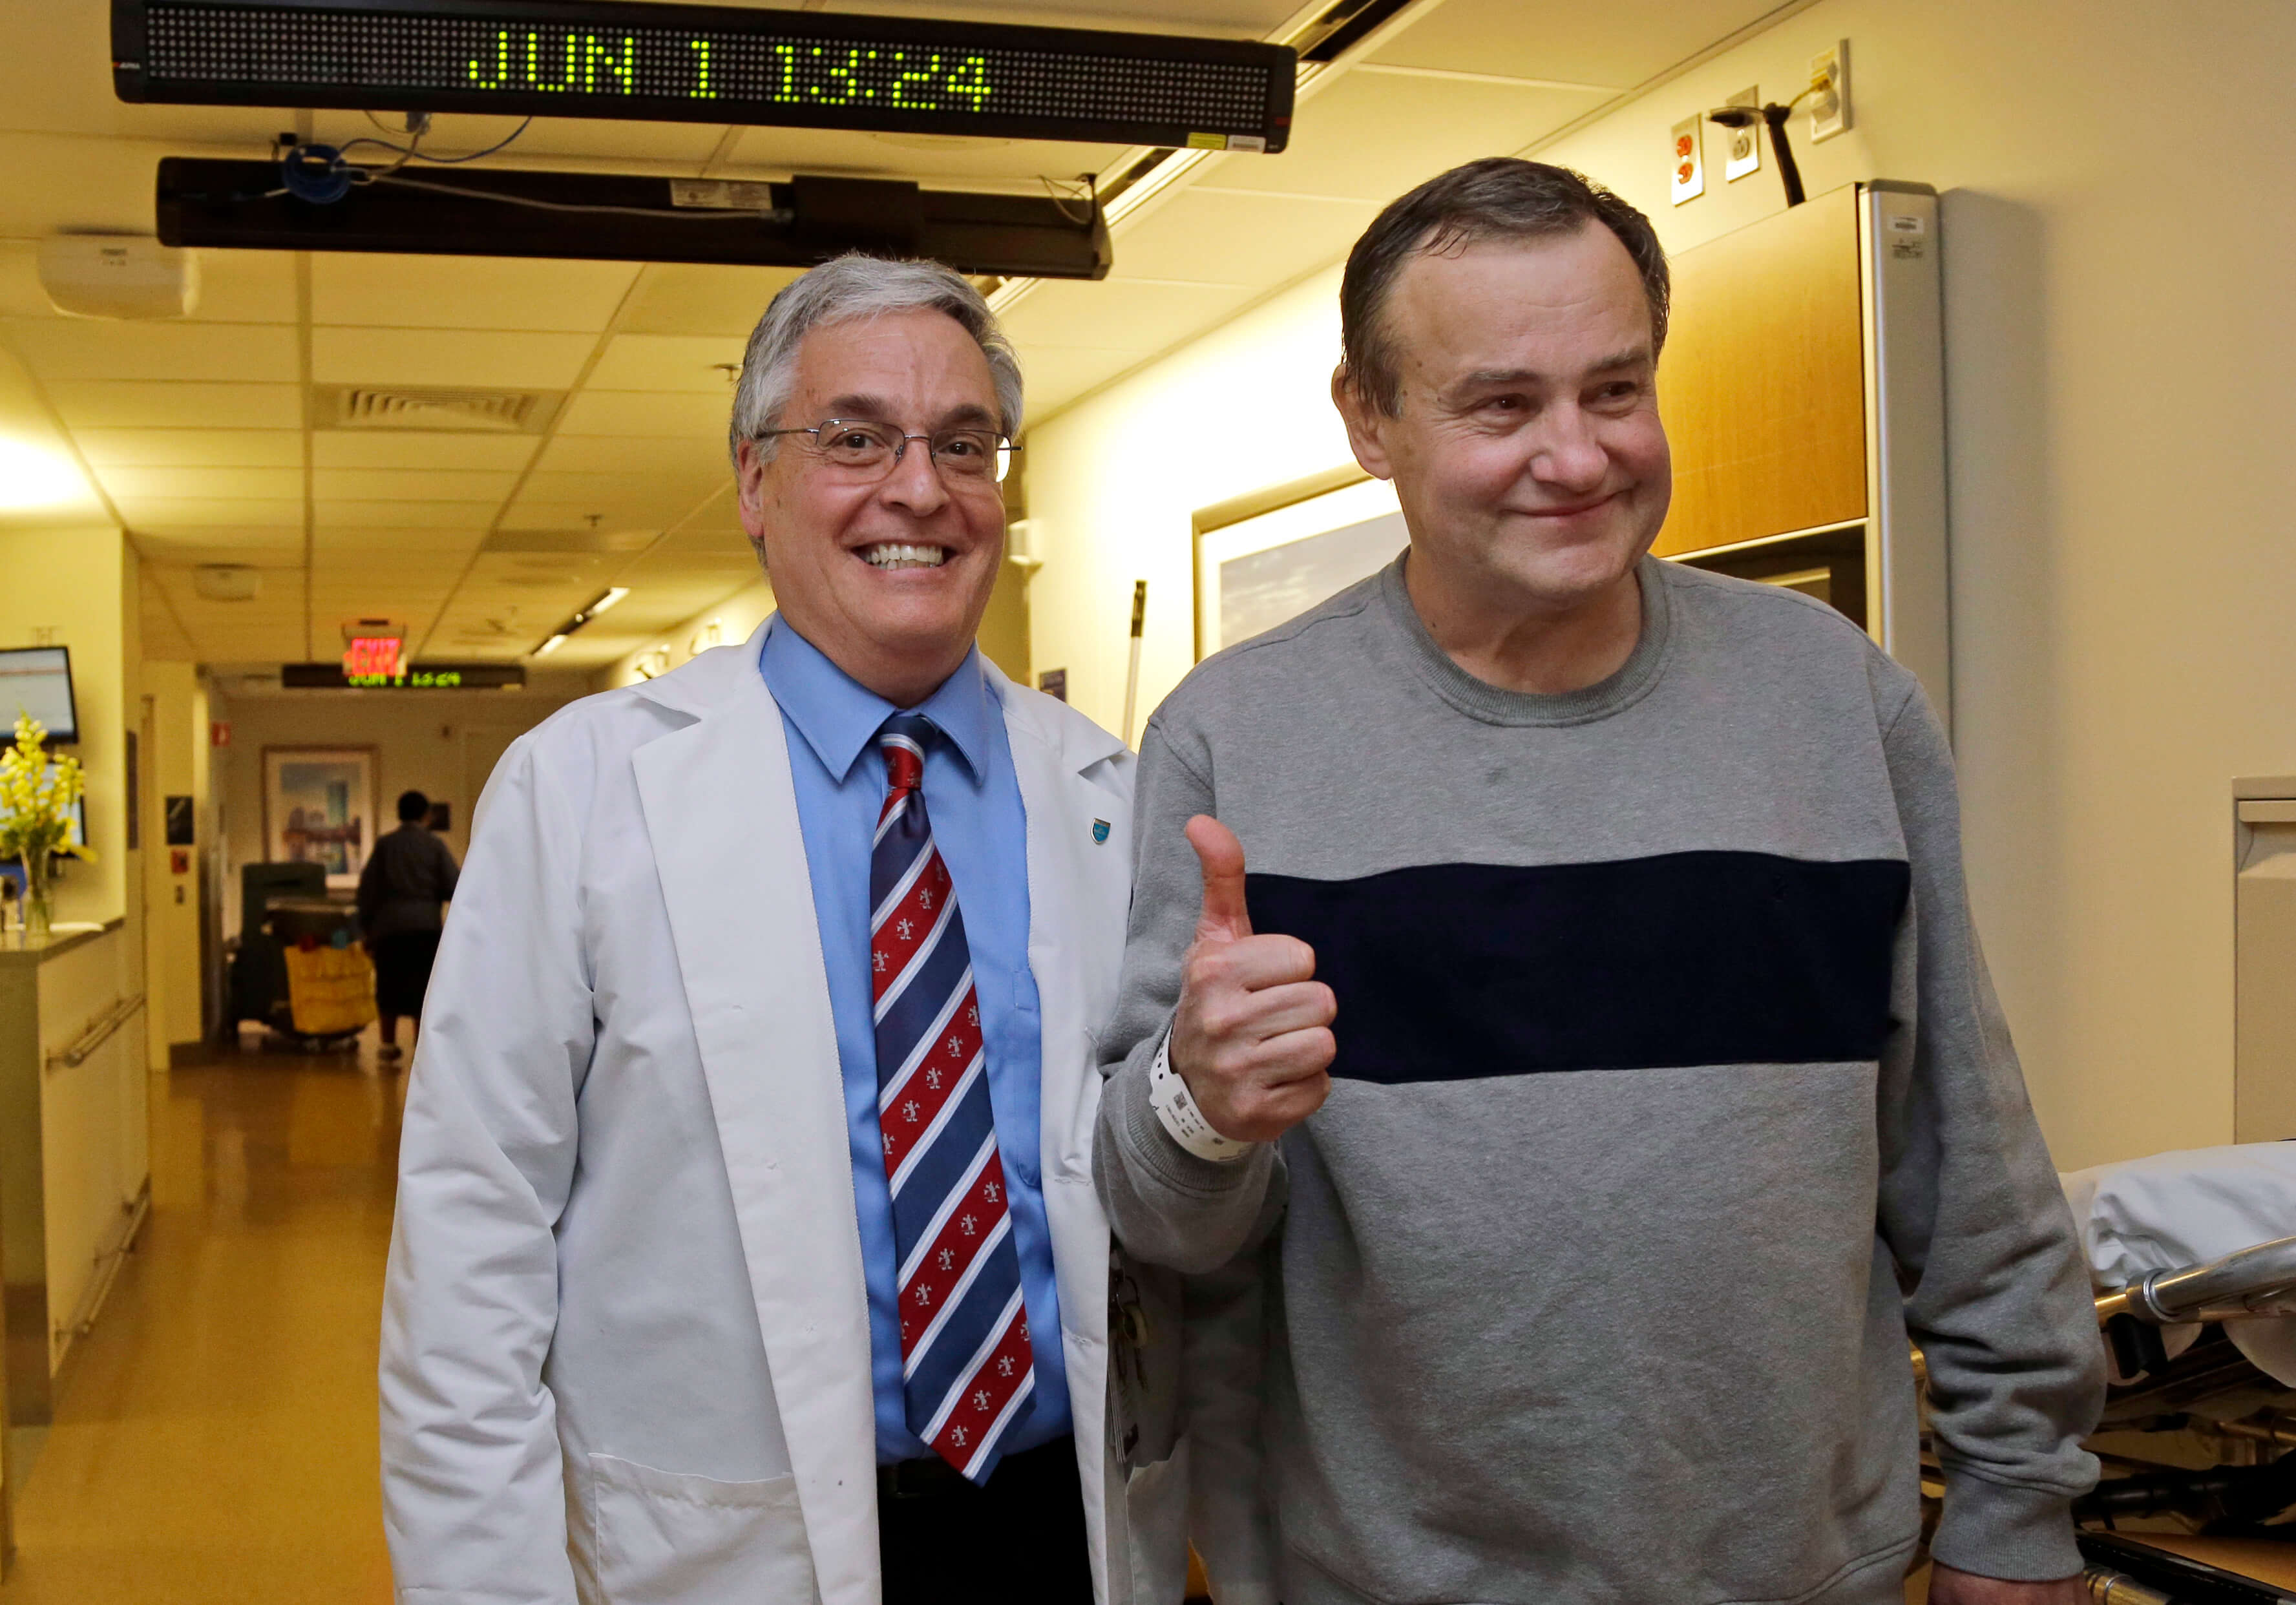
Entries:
{"x":36,"y":796}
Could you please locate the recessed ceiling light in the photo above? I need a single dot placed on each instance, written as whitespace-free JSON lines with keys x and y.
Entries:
{"x":36,"y":476}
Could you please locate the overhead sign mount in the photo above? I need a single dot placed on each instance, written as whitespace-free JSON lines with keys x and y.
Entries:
{"x":707,"y":63}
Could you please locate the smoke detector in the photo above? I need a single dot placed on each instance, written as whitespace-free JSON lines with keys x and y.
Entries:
{"x":118,"y":275}
{"x":226,"y":582}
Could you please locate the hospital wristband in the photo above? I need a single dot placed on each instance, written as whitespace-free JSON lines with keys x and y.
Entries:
{"x":1176,"y":1107}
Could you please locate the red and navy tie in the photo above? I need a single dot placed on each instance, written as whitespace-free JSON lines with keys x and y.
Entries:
{"x":968,"y":1373}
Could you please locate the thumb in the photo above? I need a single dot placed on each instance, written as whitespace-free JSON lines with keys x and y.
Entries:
{"x":1221,"y":854}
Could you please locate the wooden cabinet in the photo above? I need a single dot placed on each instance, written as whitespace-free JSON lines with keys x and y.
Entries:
{"x":1803,"y":389}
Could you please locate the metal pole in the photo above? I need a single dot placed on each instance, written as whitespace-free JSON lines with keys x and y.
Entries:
{"x":1132,"y":676}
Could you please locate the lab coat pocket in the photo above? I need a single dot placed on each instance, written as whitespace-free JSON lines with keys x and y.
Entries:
{"x":667,"y":1539}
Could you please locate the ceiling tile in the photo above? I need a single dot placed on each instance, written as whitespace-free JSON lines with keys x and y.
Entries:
{"x":694,"y":298}
{"x":393,"y":539}
{"x":1148,"y":317}
{"x":466,"y":292}
{"x":146,"y":484}
{"x":68,"y":183}
{"x":61,"y":348}
{"x":345,"y":514}
{"x":636,"y":513}
{"x":56,"y":75}
{"x":159,"y":512}
{"x":190,"y":448}
{"x":411,"y":484}
{"x":460,"y":134}
{"x":276,"y":547}
{"x":246,"y":287}
{"x":419,"y":448}
{"x":20,"y":295}
{"x":670,"y":362}
{"x":121,"y":404}
{"x":929,"y":159}
{"x":1227,"y":18}
{"x":1346,"y":140}
{"x":1227,"y":237}
{"x":488,"y":359}
{"x":641,"y":455}
{"x":640,"y":412}
{"x":1618,"y":43}
{"x":1059,"y":374}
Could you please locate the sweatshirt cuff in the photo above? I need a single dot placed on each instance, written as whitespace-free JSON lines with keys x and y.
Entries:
{"x":1995,"y":1529}
{"x":1145,"y":1137}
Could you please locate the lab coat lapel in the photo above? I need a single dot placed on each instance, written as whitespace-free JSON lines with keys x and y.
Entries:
{"x":721,"y":814}
{"x":1079,"y":889}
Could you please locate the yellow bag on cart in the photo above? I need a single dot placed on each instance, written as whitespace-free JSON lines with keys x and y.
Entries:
{"x":330,"y":990}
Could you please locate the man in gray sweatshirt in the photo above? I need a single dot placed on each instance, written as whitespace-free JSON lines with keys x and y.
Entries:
{"x":1596,"y":1053}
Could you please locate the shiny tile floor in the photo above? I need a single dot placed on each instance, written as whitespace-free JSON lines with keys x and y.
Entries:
{"x":216,"y":1438}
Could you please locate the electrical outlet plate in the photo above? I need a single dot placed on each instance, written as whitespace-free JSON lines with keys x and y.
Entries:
{"x":1685,"y":150}
{"x":1829,"y":109}
{"x":1745,"y":144}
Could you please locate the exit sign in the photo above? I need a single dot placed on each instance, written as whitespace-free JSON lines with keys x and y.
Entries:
{"x":372,"y":658}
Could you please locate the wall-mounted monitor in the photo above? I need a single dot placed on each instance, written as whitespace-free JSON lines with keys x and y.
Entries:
{"x":37,"y":680}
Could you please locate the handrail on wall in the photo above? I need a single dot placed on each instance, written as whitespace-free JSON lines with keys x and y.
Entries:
{"x":96,"y":1032}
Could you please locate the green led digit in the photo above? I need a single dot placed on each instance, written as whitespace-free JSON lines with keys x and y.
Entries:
{"x":926,"y":75}
{"x":971,"y":79}
{"x":841,"y":77}
{"x":701,"y":91}
{"x":788,"y":91}
{"x":534,"y":62}
{"x":501,"y":64}
{"x":595,"y":51}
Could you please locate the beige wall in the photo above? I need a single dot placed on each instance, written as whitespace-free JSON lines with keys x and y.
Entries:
{"x":2122,"y":377}
{"x":78,"y":586}
{"x":443,"y":745}
{"x":174,"y":764}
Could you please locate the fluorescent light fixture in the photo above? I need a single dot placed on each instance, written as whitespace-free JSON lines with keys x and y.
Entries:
{"x":35,"y":476}
{"x":606,"y":598}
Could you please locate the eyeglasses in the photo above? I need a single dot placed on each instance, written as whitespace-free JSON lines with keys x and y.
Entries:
{"x":867,"y":451}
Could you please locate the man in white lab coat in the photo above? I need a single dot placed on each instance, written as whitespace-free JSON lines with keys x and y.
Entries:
{"x":746,"y":1247}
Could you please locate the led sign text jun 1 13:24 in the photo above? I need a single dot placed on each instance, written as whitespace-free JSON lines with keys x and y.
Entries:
{"x":722,"y":64}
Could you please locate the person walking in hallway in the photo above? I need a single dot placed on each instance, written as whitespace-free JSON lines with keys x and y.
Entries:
{"x":746,"y":1244}
{"x":1559,"y":960}
{"x":407,"y":877}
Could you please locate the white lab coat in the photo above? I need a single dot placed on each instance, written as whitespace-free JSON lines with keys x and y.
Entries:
{"x":626,"y":1344}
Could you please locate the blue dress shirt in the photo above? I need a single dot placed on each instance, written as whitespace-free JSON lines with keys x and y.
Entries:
{"x":973,"y":798}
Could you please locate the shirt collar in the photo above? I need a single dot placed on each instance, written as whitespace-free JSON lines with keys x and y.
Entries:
{"x":840,"y":717}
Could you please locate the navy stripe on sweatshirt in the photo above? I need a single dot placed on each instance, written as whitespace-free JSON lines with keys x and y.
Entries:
{"x":1450,"y":971}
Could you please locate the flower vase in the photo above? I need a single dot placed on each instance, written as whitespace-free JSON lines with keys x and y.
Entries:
{"x":39,"y":897}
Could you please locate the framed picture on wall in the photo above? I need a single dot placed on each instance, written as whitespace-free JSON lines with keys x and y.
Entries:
{"x":1259,"y":564}
{"x":318,"y":807}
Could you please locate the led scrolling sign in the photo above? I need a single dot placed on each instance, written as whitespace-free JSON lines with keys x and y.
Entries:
{"x":722,"y":64}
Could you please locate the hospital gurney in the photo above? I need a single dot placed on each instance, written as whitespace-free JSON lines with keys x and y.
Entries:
{"x":2195,"y":1286}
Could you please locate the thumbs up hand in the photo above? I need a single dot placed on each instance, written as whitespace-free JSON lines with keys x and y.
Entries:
{"x":1253,"y":1038}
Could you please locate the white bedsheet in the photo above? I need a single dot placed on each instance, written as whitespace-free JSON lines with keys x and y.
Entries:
{"x":2169,"y":1210}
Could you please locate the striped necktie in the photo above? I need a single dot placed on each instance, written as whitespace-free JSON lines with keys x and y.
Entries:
{"x":968,"y":1373}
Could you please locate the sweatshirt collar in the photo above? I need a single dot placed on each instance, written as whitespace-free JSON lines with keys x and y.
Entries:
{"x":1495,"y":705}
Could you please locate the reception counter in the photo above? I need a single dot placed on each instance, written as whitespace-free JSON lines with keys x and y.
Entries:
{"x":75,"y":1151}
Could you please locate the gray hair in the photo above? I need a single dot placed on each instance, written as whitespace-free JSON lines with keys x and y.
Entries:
{"x":838,"y":291}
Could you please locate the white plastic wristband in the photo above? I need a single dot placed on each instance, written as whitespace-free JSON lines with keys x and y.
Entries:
{"x":1176,"y":1107}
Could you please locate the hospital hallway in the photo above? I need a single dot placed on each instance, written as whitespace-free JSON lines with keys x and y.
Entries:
{"x":216,"y":1439}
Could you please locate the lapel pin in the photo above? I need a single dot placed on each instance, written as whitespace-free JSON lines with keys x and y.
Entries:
{"x":1100,"y":833}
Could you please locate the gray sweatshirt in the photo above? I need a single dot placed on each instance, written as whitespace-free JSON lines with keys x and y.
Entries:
{"x":1671,"y":1096}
